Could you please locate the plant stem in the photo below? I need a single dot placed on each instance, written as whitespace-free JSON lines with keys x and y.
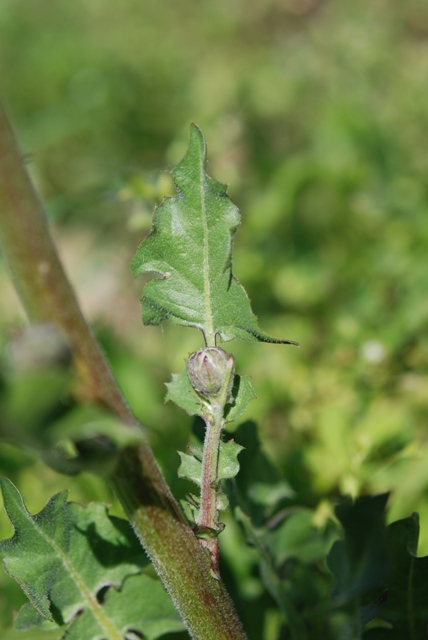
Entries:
{"x":207,"y":517}
{"x":47,"y":296}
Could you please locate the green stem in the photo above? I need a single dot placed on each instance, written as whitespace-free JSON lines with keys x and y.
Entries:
{"x":207,"y":517}
{"x":208,"y":509}
{"x":47,"y":296}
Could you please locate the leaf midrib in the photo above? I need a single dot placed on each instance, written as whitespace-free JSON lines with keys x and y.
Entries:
{"x":208,"y":331}
{"x":104,"y":621}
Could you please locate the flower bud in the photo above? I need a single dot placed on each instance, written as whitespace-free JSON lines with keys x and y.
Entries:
{"x":208,"y":369}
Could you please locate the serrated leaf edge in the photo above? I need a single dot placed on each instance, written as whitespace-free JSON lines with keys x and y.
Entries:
{"x":93,"y":605}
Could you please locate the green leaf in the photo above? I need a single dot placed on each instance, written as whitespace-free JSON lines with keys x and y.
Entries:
{"x":228,"y":466}
{"x":271,"y":579}
{"x":259,"y":490}
{"x":297,"y":537}
{"x":190,"y":508}
{"x":190,"y":246}
{"x":87,"y":438}
{"x":190,"y":468}
{"x":29,"y":617}
{"x":29,"y":557}
{"x":142,"y":605}
{"x":70,"y":438}
{"x":88,"y":421}
{"x":64,"y":556}
{"x":180,"y":391}
{"x":269,"y":495}
{"x":38,"y":633}
{"x":406,"y":606}
{"x":242,"y":394}
{"x":361,"y":561}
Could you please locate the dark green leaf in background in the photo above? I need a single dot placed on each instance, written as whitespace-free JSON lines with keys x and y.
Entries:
{"x":69,"y":437}
{"x":362,"y":560}
{"x":274,"y":585}
{"x":406,"y":606}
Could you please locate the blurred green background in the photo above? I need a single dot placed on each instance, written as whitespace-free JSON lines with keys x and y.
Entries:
{"x":316,"y":115}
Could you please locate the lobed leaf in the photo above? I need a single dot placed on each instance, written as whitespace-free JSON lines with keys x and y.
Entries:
{"x":190,"y":468}
{"x":405,"y":598}
{"x":259,"y":489}
{"x":297,"y":537}
{"x":180,"y":391}
{"x":66,"y":556}
{"x":190,"y":247}
{"x":242,"y":394}
{"x":228,"y":465}
{"x":362,"y":560}
{"x":141,"y":605}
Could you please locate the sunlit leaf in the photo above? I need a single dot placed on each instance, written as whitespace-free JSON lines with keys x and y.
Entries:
{"x":190,"y":468}
{"x":190,"y":247}
{"x":180,"y":391}
{"x":66,"y":555}
{"x":242,"y":394}
{"x":228,"y":467}
{"x":142,"y":604}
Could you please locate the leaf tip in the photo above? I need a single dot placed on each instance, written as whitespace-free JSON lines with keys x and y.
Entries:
{"x":197,"y":142}
{"x":10,"y":493}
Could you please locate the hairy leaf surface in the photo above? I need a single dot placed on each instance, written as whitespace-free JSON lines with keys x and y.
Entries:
{"x":66,"y":555}
{"x":190,"y":246}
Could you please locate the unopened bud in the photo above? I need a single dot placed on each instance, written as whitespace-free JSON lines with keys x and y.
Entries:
{"x":208,"y":369}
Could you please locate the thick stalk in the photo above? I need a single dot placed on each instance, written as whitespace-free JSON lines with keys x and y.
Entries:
{"x":47,"y":296}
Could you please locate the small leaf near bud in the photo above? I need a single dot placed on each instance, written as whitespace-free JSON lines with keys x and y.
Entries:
{"x":208,"y":370}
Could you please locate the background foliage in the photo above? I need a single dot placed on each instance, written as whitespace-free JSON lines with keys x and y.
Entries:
{"x":315,"y":114}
